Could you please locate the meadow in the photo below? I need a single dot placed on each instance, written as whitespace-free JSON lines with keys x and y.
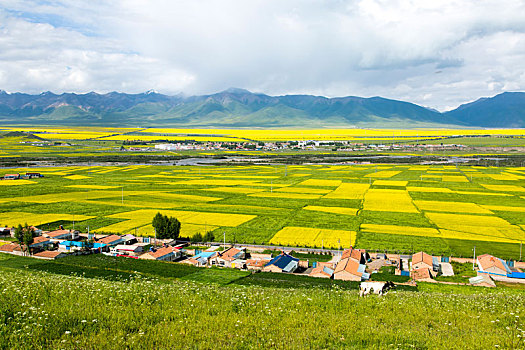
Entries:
{"x":95,"y":302}
{"x":442,"y":209}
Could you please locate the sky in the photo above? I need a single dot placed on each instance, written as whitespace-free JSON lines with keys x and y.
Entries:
{"x":438,"y":54}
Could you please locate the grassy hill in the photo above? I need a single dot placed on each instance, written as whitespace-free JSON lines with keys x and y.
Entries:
{"x":73,"y":303}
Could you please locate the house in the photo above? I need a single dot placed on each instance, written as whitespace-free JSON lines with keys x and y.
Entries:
{"x":356,"y":254}
{"x":203,"y":259}
{"x":11,"y":248}
{"x":492,"y":265}
{"x":282,"y":263}
{"x":61,"y":234}
{"x":71,"y":246}
{"x":422,"y":274}
{"x":230,"y":256}
{"x":352,"y":266}
{"x":11,"y":176}
{"x":163,"y":254}
{"x":256,"y":264}
{"x":128,"y":239}
{"x":322,"y":271}
{"x":49,"y":255}
{"x":132,"y":250}
{"x":423,"y":260}
{"x":7,"y":231}
{"x":40,"y":242}
{"x":111,"y":240}
{"x":349,"y":269}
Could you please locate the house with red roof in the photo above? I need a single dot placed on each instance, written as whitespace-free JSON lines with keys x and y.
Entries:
{"x":165,"y":254}
{"x":492,"y":265}
{"x":352,"y":266}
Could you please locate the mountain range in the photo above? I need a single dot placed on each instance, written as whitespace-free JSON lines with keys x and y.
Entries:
{"x":243,"y":109}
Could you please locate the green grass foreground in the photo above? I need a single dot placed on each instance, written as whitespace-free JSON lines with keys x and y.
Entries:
{"x":149,"y":310}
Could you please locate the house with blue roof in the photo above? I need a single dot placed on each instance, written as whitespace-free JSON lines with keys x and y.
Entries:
{"x":202,"y":259}
{"x":282,"y":263}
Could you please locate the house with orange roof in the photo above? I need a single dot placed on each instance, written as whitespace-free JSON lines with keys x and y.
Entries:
{"x":164,"y":254}
{"x":256,"y":264}
{"x":350,"y":269}
{"x":492,"y":265}
{"x":322,"y":270}
{"x":11,"y":248}
{"x":231,"y":257}
{"x":352,"y":266}
{"x":49,"y":255}
{"x":110,"y":240}
{"x":422,"y":260}
{"x":61,"y":234}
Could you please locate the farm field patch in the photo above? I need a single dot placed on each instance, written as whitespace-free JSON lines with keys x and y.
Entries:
{"x":253,"y":204}
{"x":299,"y":236}
{"x":335,"y":210}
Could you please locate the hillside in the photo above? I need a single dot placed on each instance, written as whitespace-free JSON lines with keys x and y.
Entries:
{"x":506,"y":110}
{"x":241,"y":108}
{"x":96,"y":302}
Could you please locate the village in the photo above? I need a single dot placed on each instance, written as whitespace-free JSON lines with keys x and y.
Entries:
{"x":351,"y":264}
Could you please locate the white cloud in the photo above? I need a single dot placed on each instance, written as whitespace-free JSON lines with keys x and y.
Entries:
{"x":436,"y":53}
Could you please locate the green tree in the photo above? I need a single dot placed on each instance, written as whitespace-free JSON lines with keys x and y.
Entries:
{"x":24,"y":236}
{"x":19,"y":234}
{"x":209,"y":237}
{"x":197,"y":237}
{"x":166,"y":227}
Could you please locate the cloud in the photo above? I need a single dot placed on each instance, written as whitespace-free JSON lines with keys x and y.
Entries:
{"x":436,"y":53}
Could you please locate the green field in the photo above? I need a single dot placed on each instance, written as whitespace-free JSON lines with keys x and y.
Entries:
{"x":405,"y":208}
{"x":95,"y":302}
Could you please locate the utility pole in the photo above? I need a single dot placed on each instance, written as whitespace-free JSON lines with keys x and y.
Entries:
{"x":521,"y":244}
{"x":122,"y":194}
{"x":224,"y":233}
{"x":474,"y":259}
{"x":271,"y":186}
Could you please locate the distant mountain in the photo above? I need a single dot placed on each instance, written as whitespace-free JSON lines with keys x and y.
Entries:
{"x":241,"y":108}
{"x":506,"y":110}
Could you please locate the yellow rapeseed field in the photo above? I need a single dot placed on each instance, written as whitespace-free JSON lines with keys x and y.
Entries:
{"x":429,"y":189}
{"x":389,"y":200}
{"x":14,"y":218}
{"x":285,"y":195}
{"x":383,"y":174}
{"x":390,"y":183}
{"x":234,"y":189}
{"x":191,"y":217}
{"x":451,"y":207}
{"x":309,"y":190}
{"x":349,"y":191}
{"x":92,"y":187}
{"x":307,"y":236}
{"x":333,"y":210}
{"x":16,"y":182}
{"x":320,"y":182}
{"x":76,"y":177}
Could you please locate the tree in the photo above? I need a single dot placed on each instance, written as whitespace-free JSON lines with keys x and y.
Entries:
{"x":19,"y":234}
{"x":166,"y":227}
{"x":25,"y":235}
{"x":209,"y":237}
{"x":196,"y":238}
